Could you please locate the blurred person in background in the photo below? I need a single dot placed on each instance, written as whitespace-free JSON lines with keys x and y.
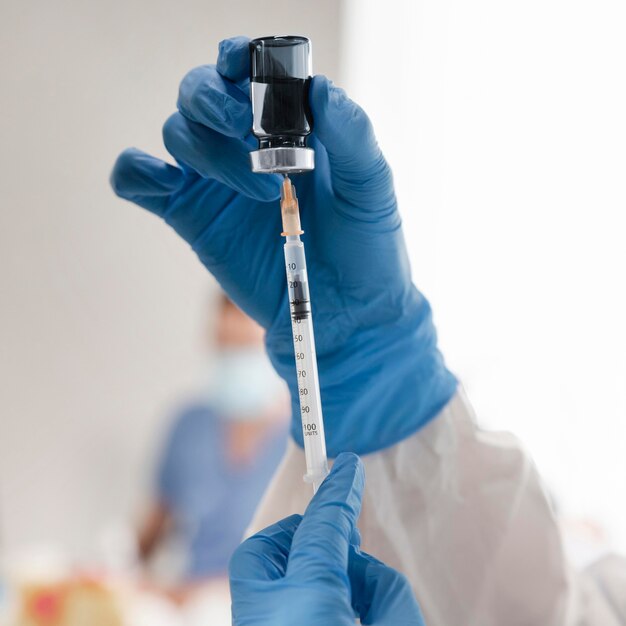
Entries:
{"x":219,"y":454}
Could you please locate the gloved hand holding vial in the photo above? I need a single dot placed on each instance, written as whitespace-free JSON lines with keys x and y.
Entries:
{"x":381,"y":375}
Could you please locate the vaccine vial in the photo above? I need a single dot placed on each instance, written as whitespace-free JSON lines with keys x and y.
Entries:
{"x":280,"y":75}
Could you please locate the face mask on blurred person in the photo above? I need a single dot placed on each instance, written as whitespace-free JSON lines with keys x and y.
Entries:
{"x":243,"y":384}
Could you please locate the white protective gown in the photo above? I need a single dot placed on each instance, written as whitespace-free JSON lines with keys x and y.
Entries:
{"x":463,"y":513}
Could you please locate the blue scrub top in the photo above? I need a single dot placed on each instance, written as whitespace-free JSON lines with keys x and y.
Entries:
{"x":211,"y":499}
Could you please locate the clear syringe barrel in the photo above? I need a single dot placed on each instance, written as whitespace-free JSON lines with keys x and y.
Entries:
{"x":306,"y":362}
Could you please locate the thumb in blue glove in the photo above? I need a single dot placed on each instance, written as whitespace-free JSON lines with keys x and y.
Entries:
{"x":309,"y":570}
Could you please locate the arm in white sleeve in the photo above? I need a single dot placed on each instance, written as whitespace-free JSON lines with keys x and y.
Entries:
{"x":463,"y":513}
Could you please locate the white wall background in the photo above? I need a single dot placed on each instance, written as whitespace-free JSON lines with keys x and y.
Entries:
{"x":101,"y":305}
{"x":504,"y":124}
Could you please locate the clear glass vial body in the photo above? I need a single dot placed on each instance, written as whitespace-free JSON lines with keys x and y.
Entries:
{"x":280,"y":75}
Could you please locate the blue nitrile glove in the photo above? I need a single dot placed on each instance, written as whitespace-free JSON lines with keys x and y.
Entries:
{"x":381,"y":375}
{"x":309,"y":570}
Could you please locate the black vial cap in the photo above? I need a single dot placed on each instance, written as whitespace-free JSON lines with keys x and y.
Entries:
{"x":280,"y":75}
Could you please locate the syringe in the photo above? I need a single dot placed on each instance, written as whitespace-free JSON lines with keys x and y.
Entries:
{"x":280,"y":76}
{"x":303,"y":339}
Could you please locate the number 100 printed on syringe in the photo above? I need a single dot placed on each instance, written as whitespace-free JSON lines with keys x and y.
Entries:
{"x":303,"y":339}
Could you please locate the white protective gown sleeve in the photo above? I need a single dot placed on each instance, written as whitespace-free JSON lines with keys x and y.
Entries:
{"x":463,"y":513}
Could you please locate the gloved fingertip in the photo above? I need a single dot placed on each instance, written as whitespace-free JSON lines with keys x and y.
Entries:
{"x":319,"y":93}
{"x":328,"y":99}
{"x":339,"y":122}
{"x":233,"y":61}
{"x":206,"y":97}
{"x":136,"y":172}
{"x":173,"y":131}
{"x":121,"y":168}
{"x":345,"y":461}
{"x":348,"y":466}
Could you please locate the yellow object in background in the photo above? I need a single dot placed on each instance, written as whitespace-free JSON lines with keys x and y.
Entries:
{"x":79,"y":602}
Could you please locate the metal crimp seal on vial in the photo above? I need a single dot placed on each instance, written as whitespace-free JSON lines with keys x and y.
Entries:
{"x":282,"y":160}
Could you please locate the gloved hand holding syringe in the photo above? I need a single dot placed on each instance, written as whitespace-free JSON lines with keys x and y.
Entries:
{"x":280,"y":72}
